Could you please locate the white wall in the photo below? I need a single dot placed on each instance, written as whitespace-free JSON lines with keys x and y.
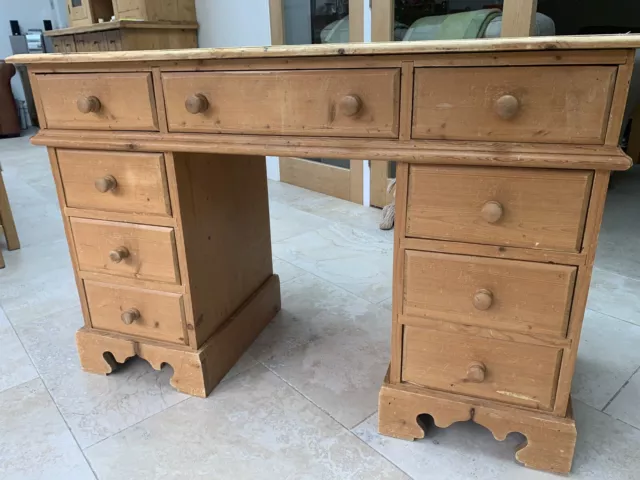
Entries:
{"x":30,"y":14}
{"x":235,"y":23}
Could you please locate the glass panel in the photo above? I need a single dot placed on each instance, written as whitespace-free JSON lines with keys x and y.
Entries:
{"x":447,"y":19}
{"x":76,"y":3}
{"x":317,"y":21}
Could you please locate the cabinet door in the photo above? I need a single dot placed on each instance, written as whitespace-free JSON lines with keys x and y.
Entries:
{"x":79,"y":13}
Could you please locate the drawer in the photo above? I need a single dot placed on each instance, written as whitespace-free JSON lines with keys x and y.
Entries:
{"x":114,"y":101}
{"x":488,"y":292}
{"x":509,"y":372}
{"x":554,"y":104}
{"x":115,"y":181}
{"x":134,"y":311}
{"x":129,"y":250}
{"x":519,"y":207}
{"x":328,"y":103}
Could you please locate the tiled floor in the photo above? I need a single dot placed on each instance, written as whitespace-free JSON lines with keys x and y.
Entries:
{"x":301,"y":403}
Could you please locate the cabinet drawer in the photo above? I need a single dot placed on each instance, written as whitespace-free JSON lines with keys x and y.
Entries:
{"x":115,"y":181}
{"x":554,"y":104}
{"x":334,"y":103}
{"x":493,"y":293}
{"x":515,"y":373}
{"x":113,"y":101}
{"x":134,"y":311}
{"x":125,"y":249}
{"x":520,"y":207}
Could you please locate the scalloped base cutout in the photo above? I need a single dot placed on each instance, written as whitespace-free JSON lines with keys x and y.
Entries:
{"x":195,"y":372}
{"x":550,"y":441}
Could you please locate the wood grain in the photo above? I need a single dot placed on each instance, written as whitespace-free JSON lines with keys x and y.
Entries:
{"x":577,"y":157}
{"x":194,"y":372}
{"x":519,"y":18}
{"x":562,"y":104}
{"x":550,"y":440}
{"x":554,"y":43}
{"x":527,"y":297}
{"x":543,"y":209}
{"x":516,"y":373}
{"x":225,"y":223}
{"x":298,"y":102}
{"x":141,"y":181}
{"x":161,"y":313}
{"x":151,"y":250}
{"x":319,"y":177}
{"x":7,"y":223}
{"x":126,"y":101}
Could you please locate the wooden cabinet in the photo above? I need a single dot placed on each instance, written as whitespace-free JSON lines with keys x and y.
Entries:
{"x":125,"y":35}
{"x":504,"y":150}
{"x":88,"y":12}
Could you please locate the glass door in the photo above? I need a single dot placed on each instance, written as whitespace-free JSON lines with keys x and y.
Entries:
{"x":303,"y":22}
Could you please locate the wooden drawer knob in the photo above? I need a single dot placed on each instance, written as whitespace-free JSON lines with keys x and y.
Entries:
{"x":197,"y":103}
{"x":483,"y":299}
{"x":350,"y":105}
{"x":118,"y":254}
{"x":89,"y":104}
{"x":106,"y":184}
{"x":476,"y":372}
{"x":507,"y":107}
{"x":492,"y":211}
{"x":130,"y":316}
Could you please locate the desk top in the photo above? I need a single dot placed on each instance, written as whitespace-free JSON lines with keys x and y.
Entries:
{"x":584,"y":42}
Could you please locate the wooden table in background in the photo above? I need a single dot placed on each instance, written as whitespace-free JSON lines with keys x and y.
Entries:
{"x":504,"y":150}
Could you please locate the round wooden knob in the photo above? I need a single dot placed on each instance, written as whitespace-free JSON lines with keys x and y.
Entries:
{"x":197,"y":103}
{"x":476,"y":372}
{"x":89,"y":104}
{"x":492,"y":211}
{"x":483,"y":299}
{"x":118,"y":254}
{"x":507,"y":107}
{"x":350,"y":105}
{"x":106,"y":184}
{"x":130,"y":316}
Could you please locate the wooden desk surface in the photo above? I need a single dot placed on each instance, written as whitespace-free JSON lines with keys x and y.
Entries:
{"x":586,"y":42}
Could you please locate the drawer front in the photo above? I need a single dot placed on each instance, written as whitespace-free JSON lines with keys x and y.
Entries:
{"x":332,"y":103}
{"x":515,"y":373}
{"x":134,"y":311}
{"x":115,"y":181}
{"x":534,"y":208}
{"x":114,"y":101}
{"x":559,"y":104}
{"x":129,"y":250}
{"x":493,"y":293}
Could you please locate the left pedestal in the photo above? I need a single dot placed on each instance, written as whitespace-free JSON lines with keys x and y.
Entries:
{"x":172,"y":258}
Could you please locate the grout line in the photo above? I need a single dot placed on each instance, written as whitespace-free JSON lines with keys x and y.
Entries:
{"x":620,"y":390}
{"x":348,"y":430}
{"x":44,"y":384}
{"x":612,"y":316}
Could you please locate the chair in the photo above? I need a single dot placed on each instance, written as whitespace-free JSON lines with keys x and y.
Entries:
{"x":6,"y":220}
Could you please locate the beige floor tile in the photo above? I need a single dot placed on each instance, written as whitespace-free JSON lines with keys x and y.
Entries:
{"x":285,"y":270}
{"x":608,"y":355}
{"x":354,"y":260}
{"x":605,"y":450}
{"x":335,"y":356}
{"x":34,"y":440}
{"x":254,"y":426}
{"x":626,"y":405}
{"x":386,"y":303}
{"x":615,"y":295}
{"x":94,"y":406}
{"x":15,"y":365}
{"x":287,"y":222}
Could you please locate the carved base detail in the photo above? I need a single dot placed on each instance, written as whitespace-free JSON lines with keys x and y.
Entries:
{"x":195,"y":372}
{"x":550,"y":440}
